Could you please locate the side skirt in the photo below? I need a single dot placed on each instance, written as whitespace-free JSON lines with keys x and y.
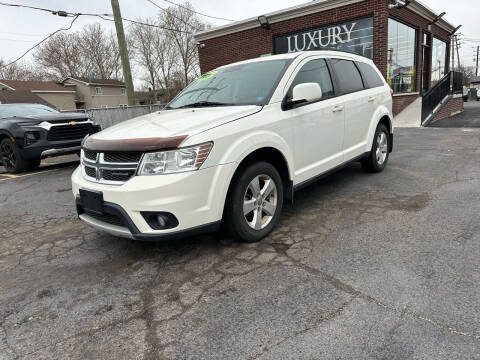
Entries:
{"x":327,"y":173}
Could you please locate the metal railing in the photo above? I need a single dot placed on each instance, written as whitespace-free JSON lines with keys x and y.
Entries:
{"x":451,"y":83}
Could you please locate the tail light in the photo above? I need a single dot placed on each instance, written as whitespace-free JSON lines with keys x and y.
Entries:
{"x":391,"y":91}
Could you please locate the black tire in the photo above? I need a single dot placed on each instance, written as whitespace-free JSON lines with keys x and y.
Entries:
{"x":13,"y":160}
{"x":235,"y":222}
{"x":371,"y":163}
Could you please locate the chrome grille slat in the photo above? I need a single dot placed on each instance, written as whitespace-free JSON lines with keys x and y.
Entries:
{"x":96,"y":169}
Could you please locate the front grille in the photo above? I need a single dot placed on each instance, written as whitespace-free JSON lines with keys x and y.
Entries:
{"x":113,"y":168}
{"x":70,"y":132}
{"x":117,"y":175}
{"x":91,"y":172}
{"x":122,"y":157}
{"x":90,"y":155}
{"x":107,"y":218}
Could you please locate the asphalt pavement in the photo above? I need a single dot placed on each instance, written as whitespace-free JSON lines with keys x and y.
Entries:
{"x":470,"y":118}
{"x":362,"y":266}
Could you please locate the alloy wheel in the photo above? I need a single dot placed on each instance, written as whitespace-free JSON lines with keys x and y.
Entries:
{"x":382,"y":148}
{"x":7,"y":155}
{"x":260,"y":202}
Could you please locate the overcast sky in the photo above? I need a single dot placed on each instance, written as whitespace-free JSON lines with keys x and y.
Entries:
{"x":21,"y":28}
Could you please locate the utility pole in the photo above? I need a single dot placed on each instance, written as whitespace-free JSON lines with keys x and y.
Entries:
{"x":458,"y":52}
{"x":122,"y":46}
{"x":453,"y":52}
{"x":476,"y":72}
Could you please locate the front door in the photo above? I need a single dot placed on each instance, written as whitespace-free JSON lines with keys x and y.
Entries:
{"x":319,"y":126}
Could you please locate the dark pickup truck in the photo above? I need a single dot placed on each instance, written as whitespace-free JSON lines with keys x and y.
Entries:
{"x":31,"y":132}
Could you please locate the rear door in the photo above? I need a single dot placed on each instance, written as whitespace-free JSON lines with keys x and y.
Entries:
{"x":318,"y":126}
{"x":358,"y":110}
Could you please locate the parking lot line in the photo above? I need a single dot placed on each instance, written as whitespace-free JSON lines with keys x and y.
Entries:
{"x":10,"y":176}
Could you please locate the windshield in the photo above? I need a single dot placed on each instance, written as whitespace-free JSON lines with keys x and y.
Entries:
{"x":245,"y":84}
{"x":22,"y":110}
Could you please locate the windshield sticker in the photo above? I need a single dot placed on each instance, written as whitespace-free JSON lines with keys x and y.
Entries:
{"x":208,"y":75}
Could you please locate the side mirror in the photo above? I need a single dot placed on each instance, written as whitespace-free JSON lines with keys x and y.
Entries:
{"x":302,"y":93}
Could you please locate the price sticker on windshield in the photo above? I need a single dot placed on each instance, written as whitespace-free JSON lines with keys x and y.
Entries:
{"x":208,"y":75}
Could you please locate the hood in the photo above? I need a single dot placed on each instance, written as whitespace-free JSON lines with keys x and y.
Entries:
{"x":53,"y":117}
{"x":169,"y":123}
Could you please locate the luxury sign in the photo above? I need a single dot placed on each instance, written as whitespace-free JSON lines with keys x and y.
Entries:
{"x":355,"y":36}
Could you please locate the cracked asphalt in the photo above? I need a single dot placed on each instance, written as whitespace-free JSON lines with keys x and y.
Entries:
{"x":362,"y":266}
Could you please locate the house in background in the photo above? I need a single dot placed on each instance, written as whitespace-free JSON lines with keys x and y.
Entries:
{"x":21,"y":97}
{"x":57,"y":95}
{"x":94,"y":93}
{"x":149,"y":97}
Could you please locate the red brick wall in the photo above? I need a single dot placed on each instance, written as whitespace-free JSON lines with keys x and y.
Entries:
{"x":401,"y":102}
{"x":454,"y":106}
{"x":252,"y":43}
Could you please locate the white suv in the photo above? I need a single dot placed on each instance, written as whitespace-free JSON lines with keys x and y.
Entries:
{"x":234,"y":145}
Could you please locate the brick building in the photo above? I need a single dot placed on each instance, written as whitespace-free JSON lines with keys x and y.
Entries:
{"x":409,"y":44}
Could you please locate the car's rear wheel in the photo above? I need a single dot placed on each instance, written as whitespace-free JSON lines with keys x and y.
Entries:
{"x":254,"y":203}
{"x":12,"y":159}
{"x":377,"y":159}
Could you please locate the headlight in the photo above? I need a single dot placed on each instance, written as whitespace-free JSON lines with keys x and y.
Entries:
{"x":30,"y":137}
{"x":174,"y":161}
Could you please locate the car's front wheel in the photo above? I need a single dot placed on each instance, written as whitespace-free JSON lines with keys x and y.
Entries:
{"x":254,"y":203}
{"x":12,"y":159}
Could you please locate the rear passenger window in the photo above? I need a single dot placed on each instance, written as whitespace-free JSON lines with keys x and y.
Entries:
{"x":370,"y":75}
{"x":315,"y":71}
{"x":349,"y":79}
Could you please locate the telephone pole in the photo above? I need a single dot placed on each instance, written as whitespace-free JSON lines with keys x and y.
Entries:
{"x":458,"y":52}
{"x":476,"y":72}
{"x":122,"y":46}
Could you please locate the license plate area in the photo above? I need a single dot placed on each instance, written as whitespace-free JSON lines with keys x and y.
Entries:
{"x":92,"y":201}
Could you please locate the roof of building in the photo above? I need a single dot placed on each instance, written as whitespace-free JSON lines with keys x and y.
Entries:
{"x":96,"y":81}
{"x":21,"y":96}
{"x":35,"y":86}
{"x":308,"y":8}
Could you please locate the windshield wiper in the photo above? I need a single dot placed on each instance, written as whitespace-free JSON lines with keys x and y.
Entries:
{"x":205,"y":104}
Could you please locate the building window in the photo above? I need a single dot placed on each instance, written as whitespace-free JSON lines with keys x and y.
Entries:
{"x":124,"y":91}
{"x":402,"y":44}
{"x":98,"y":91}
{"x":439,"y":56}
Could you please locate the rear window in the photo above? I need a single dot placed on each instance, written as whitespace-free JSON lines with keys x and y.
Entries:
{"x":349,"y":79}
{"x":370,"y":75}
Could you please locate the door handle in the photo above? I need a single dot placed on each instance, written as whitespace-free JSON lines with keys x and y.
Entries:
{"x":371,"y":99}
{"x":337,"y":108}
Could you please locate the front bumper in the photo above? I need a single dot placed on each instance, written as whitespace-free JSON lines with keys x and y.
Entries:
{"x":195,"y":198}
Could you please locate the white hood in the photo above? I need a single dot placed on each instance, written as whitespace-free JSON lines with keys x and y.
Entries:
{"x":169,"y":123}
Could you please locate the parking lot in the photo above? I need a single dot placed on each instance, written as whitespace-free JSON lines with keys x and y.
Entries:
{"x":361,"y":267}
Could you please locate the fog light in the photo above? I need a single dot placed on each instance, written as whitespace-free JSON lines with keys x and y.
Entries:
{"x":30,"y":137}
{"x":160,"y":220}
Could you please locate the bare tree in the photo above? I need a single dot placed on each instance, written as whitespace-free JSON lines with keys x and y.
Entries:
{"x":22,"y":71}
{"x":62,"y":55}
{"x":100,"y":51}
{"x":144,"y":41}
{"x":184,"y":22}
{"x":91,"y":51}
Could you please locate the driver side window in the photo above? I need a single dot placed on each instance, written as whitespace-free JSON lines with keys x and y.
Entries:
{"x":315,"y":71}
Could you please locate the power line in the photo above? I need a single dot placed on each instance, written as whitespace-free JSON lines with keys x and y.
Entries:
{"x":169,"y":13}
{"x":197,"y":12}
{"x":40,"y":42}
{"x":102,"y":16}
